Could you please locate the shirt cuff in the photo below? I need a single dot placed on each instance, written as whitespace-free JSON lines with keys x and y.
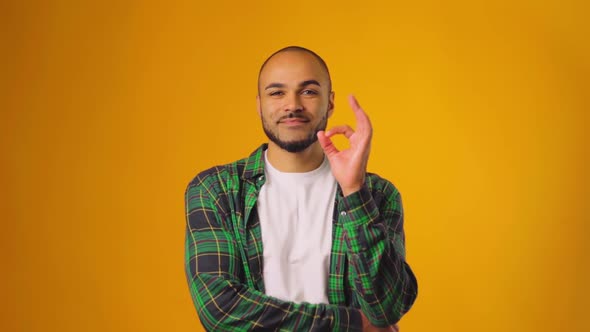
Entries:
{"x":358,"y":212}
{"x":357,"y":208}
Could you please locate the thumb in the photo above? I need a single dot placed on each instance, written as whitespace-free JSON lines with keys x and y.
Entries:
{"x":326,"y":144}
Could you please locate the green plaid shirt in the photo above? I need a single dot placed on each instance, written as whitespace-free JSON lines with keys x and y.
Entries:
{"x":223,"y":256}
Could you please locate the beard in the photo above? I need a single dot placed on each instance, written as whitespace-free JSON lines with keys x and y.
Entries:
{"x":297,"y":145}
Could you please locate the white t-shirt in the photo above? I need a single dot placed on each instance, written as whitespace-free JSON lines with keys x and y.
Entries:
{"x":295,"y":211}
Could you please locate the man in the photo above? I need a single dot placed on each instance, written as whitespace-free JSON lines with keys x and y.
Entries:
{"x":298,"y":236}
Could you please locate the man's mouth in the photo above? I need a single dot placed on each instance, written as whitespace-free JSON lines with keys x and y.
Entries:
{"x":293,"y":120}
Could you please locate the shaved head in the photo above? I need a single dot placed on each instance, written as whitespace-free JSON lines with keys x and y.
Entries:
{"x":297,"y":49}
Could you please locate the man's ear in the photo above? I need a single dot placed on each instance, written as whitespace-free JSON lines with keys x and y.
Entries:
{"x":331,"y":103}
{"x":258,"y":107}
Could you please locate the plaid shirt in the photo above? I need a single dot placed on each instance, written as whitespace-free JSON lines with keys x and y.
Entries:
{"x":223,"y":256}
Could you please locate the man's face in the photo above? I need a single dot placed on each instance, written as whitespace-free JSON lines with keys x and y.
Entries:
{"x":294,"y":100}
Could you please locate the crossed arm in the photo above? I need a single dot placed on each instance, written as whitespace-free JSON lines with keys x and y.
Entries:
{"x":214,"y":268}
{"x":383,"y":284}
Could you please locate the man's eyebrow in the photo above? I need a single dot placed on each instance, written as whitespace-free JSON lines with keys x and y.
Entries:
{"x":302,"y":84}
{"x":275,"y":85}
{"x":308,"y":82}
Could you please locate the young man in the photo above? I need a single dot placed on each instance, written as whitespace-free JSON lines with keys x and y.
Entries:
{"x":298,"y":236}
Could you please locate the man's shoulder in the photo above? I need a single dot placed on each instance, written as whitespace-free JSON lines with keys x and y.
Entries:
{"x":222,"y":176}
{"x":219,"y":173}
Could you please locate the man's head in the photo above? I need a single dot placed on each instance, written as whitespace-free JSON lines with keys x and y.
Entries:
{"x":295,"y":97}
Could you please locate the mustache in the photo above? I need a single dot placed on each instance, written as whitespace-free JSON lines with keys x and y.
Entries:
{"x":293,"y":116}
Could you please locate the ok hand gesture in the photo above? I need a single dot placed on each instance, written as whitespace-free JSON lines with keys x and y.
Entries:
{"x":349,"y":165}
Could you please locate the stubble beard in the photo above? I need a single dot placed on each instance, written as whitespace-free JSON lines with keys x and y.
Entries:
{"x":299,"y":145}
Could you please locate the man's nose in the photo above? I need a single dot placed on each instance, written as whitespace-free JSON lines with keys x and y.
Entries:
{"x":293,"y":103}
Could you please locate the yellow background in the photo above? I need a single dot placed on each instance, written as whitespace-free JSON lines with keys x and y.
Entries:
{"x":109,"y":108}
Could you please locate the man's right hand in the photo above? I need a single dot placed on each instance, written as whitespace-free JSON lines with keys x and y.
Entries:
{"x":368,"y":327}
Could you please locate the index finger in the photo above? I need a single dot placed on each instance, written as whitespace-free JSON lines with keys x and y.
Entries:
{"x":362,"y":120}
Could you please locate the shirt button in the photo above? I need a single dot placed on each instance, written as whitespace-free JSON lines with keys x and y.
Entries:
{"x":343,"y":213}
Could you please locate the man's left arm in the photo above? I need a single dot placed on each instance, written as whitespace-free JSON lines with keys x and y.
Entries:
{"x":385,"y":286}
{"x":372,"y":216}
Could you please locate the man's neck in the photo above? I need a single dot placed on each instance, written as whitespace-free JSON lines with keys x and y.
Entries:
{"x":295,"y":162}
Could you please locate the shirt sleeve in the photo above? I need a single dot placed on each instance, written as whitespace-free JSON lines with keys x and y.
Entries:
{"x":214,"y":269}
{"x":383,"y":283}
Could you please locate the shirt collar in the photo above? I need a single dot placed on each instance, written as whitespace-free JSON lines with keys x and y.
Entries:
{"x":255,"y":163}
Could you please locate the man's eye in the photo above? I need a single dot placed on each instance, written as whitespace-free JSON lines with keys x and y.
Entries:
{"x":276,"y":93}
{"x":309,"y":92}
